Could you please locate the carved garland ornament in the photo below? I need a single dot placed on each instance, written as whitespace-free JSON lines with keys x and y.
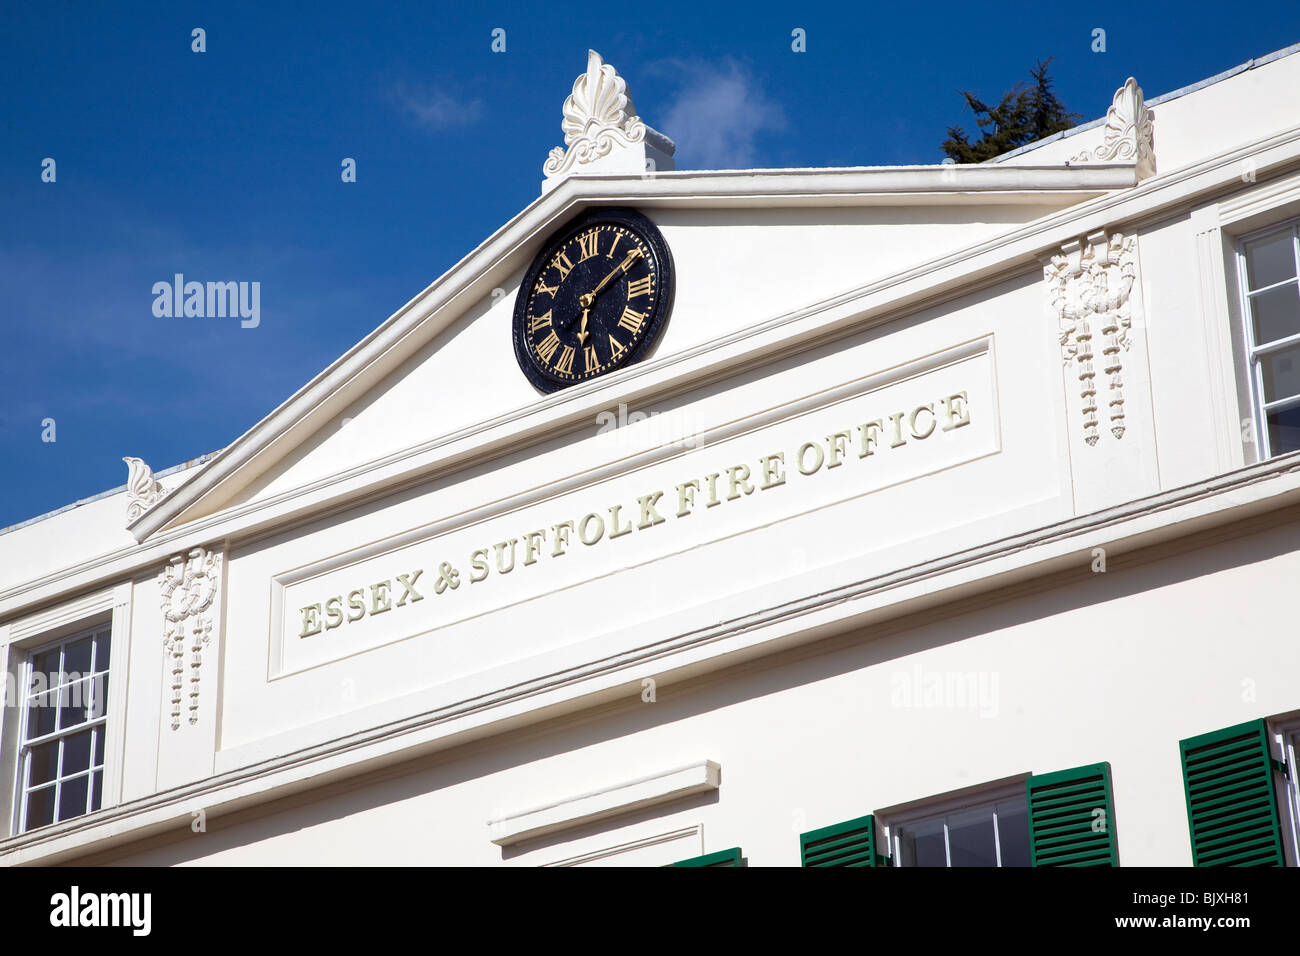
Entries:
{"x":188,"y":587}
{"x":598,"y":115}
{"x":1129,"y":136}
{"x":1089,"y":288}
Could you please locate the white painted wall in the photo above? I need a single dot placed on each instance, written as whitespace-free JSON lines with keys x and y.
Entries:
{"x":1115,"y":667}
{"x":89,"y":530}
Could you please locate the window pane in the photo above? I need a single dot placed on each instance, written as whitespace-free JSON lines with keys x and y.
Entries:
{"x":102,"y":650}
{"x":1276,"y":313}
{"x":99,"y":747}
{"x":971,"y":840}
{"x":73,"y":701}
{"x":1270,"y":260}
{"x":1284,"y":430}
{"x":46,"y":664}
{"x":1013,"y":833}
{"x":72,"y":797}
{"x":76,"y":658}
{"x":41,"y":712}
{"x":1281,"y":373}
{"x":44,"y":763}
{"x":40,"y":807}
{"x":98,"y":704}
{"x":922,"y":844}
{"x":97,"y":791}
{"x":76,"y":753}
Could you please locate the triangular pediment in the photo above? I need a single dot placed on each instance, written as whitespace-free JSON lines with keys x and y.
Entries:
{"x":438,"y":382}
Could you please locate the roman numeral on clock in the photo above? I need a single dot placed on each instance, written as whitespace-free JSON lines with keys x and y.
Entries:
{"x":639,"y":286}
{"x":564,"y":265}
{"x":565,"y":364}
{"x":587,"y":245}
{"x":538,"y":322}
{"x":548,"y":289}
{"x":547,"y":346}
{"x":589,"y":356}
{"x":631,"y":320}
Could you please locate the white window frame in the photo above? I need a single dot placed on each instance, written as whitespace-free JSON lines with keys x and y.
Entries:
{"x":1260,"y":409}
{"x":1284,"y":736}
{"x":22,"y":638}
{"x":96,"y":721}
{"x":973,"y":798}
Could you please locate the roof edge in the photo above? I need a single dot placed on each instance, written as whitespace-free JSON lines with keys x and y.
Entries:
{"x":183,"y":466}
{"x":1154,"y":101}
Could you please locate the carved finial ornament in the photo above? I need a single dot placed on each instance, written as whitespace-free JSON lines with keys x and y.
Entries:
{"x":1129,"y":135}
{"x":599,"y":117}
{"x":142,"y":488}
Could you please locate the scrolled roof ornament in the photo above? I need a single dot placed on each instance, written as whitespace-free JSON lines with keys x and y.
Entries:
{"x":598,"y":116}
{"x":142,"y":488}
{"x":1129,"y":134}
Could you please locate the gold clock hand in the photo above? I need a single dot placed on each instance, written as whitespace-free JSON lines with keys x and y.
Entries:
{"x":590,"y":297}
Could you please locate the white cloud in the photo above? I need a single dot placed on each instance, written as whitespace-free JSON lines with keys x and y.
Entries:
{"x":717,"y":115}
{"x":437,"y":109}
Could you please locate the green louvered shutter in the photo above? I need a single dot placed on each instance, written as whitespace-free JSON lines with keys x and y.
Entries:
{"x":730,"y":857}
{"x":1231,"y":810}
{"x":852,"y":843}
{"x":1065,"y":828}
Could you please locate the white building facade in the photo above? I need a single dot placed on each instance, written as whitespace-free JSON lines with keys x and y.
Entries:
{"x":933,"y":515}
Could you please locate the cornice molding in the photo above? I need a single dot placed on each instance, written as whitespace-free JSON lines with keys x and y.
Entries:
{"x":1260,"y":198}
{"x":623,"y":797}
{"x":63,"y":615}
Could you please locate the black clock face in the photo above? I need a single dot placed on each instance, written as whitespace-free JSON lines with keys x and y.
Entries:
{"x":594,"y":300}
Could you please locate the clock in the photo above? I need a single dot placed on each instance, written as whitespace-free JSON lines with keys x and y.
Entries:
{"x":595,"y":299}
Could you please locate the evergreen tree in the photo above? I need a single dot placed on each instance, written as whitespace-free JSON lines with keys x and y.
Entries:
{"x":1027,"y":112}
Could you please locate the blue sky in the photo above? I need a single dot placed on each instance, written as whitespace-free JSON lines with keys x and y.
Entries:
{"x":225,"y":165}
